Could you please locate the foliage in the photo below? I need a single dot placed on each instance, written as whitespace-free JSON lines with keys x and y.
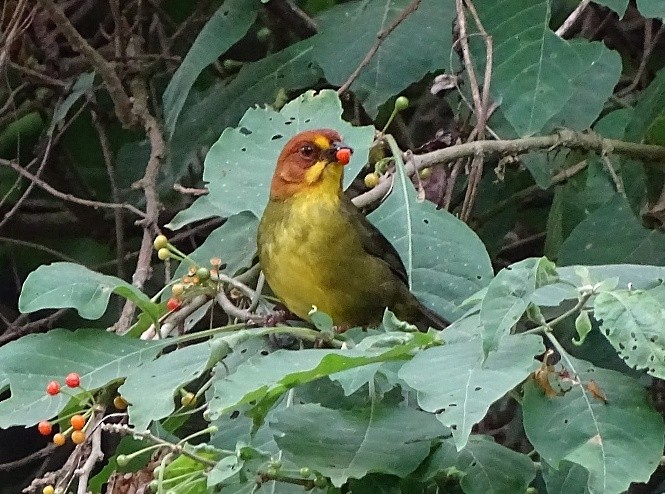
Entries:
{"x":547,"y":259}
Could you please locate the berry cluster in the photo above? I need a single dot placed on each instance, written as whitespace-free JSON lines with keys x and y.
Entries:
{"x":77,"y":420}
{"x":199,"y":279}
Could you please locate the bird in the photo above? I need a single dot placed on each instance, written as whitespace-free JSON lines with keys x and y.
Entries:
{"x":316,"y":249}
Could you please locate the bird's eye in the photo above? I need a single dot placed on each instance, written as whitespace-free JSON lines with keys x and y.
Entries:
{"x":307,"y":151}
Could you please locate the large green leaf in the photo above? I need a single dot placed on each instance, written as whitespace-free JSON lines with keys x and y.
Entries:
{"x":634,"y":323}
{"x":234,"y":243}
{"x":262,"y":379}
{"x":30,"y":362}
{"x":484,"y":466}
{"x":227,"y":25}
{"x":240,"y":164}
{"x":344,"y":444}
{"x":65,"y":284}
{"x":265,"y":81}
{"x":649,"y":113}
{"x":445,"y":260}
{"x":540,"y":79}
{"x":508,"y":296}
{"x":162,"y":376}
{"x":419,"y":45}
{"x":612,"y":234}
{"x":651,"y":8}
{"x":569,"y":478}
{"x":618,"y":439}
{"x":459,"y":384}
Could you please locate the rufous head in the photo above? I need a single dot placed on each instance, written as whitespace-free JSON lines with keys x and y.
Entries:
{"x":312,"y":160}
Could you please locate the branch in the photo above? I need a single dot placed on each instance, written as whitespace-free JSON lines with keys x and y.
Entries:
{"x":648,"y":153}
{"x":121,"y":101}
{"x":572,"y":19}
{"x":380,"y":36}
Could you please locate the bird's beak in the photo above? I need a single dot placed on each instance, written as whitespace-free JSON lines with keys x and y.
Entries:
{"x":339,"y":153}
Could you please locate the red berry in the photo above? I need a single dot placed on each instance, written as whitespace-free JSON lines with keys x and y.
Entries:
{"x":343,"y":155}
{"x":78,"y":422}
{"x":73,"y":380}
{"x":53,"y":388}
{"x":44,"y":427}
{"x":173,"y":304}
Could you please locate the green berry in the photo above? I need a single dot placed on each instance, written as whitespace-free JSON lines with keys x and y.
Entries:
{"x":320,"y":482}
{"x":122,"y":460}
{"x":305,"y":472}
{"x":276,"y":464}
{"x":163,"y":254}
{"x":203,"y":273}
{"x":425,"y":173}
{"x":371,"y":180}
{"x":271,"y":471}
{"x":401,"y":103}
{"x":160,"y":242}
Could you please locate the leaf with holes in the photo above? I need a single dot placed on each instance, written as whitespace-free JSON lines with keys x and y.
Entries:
{"x":28,"y":364}
{"x":618,"y":440}
{"x":240,"y":164}
{"x":459,"y":384}
{"x":445,"y":260}
{"x":634,"y":323}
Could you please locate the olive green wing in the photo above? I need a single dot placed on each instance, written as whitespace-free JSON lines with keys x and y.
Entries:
{"x":373,"y":240}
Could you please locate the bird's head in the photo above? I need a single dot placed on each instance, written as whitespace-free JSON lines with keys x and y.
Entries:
{"x":312,"y":161}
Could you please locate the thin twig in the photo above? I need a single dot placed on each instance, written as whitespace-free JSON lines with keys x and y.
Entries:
{"x":380,"y":36}
{"x":650,"y":154}
{"x":68,"y":197}
{"x":95,"y":454}
{"x":121,"y":101}
{"x":571,"y":19}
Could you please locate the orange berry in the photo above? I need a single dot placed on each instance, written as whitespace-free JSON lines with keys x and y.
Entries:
{"x":59,"y":439}
{"x":53,"y":388}
{"x":44,"y":427}
{"x":78,"y":422}
{"x":73,"y":380}
{"x":120,"y":403}
{"x":78,"y":437}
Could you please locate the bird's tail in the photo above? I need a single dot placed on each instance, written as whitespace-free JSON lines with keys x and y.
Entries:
{"x":427,"y":318}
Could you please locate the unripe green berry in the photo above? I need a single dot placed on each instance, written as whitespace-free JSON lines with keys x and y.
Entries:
{"x":203,"y":273}
{"x":276,"y":464}
{"x":425,"y":173}
{"x":320,"y":482}
{"x":271,"y":471}
{"x":305,"y":472}
{"x":122,"y":460}
{"x":177,"y":289}
{"x":163,"y":254}
{"x":160,"y":242}
{"x":401,"y":103}
{"x":153,"y":486}
{"x":371,"y":180}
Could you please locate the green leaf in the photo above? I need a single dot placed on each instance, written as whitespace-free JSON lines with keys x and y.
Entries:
{"x":542,"y":80}
{"x":459,"y":384}
{"x":234,"y":243}
{"x":344,"y":444}
{"x":65,"y":284}
{"x":227,"y":25}
{"x":651,"y":8}
{"x":201,"y":123}
{"x":509,"y":295}
{"x":226,"y":468}
{"x":618,"y":441}
{"x":163,"y":377}
{"x":582,"y":326}
{"x":445,"y":260}
{"x":81,"y":86}
{"x":595,"y":239}
{"x":417,"y":46}
{"x":262,"y":379}
{"x":30,"y":362}
{"x":633,"y":322}
{"x":240,"y":164}
{"x":200,"y":209}
{"x":485,"y":467}
{"x":569,"y":478}
{"x":649,"y":110}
